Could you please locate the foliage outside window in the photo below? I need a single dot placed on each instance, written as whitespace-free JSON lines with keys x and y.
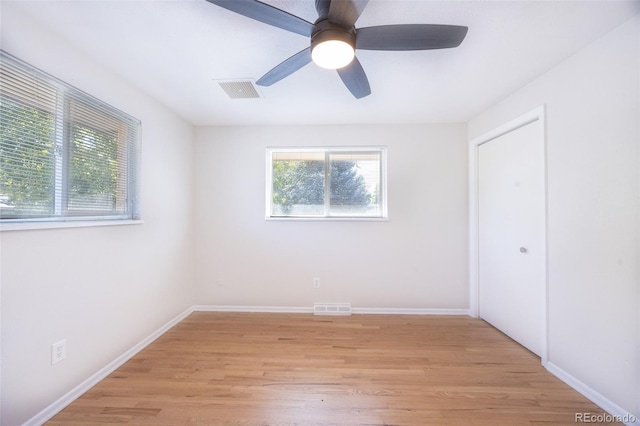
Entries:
{"x":64,"y":155}
{"x":326,"y":182}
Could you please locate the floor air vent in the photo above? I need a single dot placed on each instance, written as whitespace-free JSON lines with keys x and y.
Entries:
{"x":332,"y":308}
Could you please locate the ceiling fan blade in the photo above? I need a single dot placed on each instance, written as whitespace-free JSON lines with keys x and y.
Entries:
{"x":268,"y":14}
{"x":346,"y":12}
{"x":286,"y":68}
{"x":354,"y":77}
{"x":410,"y":37}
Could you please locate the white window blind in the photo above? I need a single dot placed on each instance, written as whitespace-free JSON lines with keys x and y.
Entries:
{"x":326,"y":182}
{"x":64,"y":155}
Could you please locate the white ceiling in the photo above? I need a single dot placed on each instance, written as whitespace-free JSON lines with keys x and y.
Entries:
{"x":176,"y":50}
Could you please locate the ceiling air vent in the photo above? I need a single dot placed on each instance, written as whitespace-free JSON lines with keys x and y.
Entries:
{"x":239,"y":89}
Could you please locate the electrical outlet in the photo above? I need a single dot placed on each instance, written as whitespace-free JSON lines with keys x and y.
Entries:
{"x":58,"y":351}
{"x":316,"y":282}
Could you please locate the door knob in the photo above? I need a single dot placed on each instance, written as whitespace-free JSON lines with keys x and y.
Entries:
{"x":523,"y":250}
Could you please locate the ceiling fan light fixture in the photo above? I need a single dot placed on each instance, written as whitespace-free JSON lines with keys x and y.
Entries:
{"x":333,"y":47}
{"x":333,"y":54}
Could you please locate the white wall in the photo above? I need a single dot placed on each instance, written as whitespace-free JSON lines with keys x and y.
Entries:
{"x":417,"y":259}
{"x":128,"y":281}
{"x":103,"y":289}
{"x":593,"y":210}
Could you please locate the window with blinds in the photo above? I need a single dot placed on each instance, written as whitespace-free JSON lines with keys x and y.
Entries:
{"x":64,"y":155}
{"x":326,"y":183}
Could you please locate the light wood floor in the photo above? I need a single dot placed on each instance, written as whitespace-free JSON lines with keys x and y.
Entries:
{"x":296,"y":369}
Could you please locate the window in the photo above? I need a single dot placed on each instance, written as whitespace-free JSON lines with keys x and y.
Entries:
{"x":326,"y":183}
{"x":64,"y":155}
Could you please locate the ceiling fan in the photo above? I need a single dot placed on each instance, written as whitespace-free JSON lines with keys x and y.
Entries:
{"x":334,"y":38}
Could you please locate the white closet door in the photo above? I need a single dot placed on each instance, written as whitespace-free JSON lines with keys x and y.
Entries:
{"x":511,"y":197}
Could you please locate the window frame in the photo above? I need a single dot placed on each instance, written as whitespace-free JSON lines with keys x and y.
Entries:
{"x":62,"y":215}
{"x":327,"y":151}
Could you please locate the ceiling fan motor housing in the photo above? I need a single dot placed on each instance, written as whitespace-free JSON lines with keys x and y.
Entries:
{"x":325,"y":31}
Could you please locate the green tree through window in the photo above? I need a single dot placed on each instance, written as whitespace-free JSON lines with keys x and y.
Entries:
{"x":348,"y":187}
{"x":93,"y":170}
{"x":300,"y":182}
{"x":64,"y":155}
{"x":26,"y":160}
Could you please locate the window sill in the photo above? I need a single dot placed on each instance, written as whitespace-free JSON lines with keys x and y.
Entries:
{"x":29,"y":226}
{"x":326,"y":219}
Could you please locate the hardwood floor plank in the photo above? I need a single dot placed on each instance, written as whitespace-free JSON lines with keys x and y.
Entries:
{"x":296,"y":369}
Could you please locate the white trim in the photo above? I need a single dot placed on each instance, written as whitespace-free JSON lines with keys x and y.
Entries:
{"x":93,"y":380}
{"x":597,"y":398}
{"x":410,"y":311}
{"x":309,"y":310}
{"x":537,"y":114}
{"x":29,"y":226}
{"x":327,"y":218}
{"x":242,"y":308}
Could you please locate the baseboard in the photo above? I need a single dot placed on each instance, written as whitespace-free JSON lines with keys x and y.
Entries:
{"x":242,"y":308}
{"x":410,"y":311}
{"x":607,"y":405}
{"x":309,"y":310}
{"x":93,"y":380}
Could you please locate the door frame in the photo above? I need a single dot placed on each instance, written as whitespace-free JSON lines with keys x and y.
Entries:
{"x":537,"y":114}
